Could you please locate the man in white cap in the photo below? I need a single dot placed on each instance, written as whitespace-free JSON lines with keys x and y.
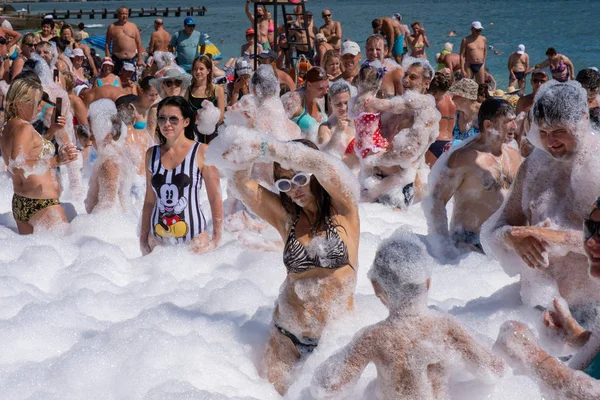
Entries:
{"x":351,"y":57}
{"x":518,"y":65}
{"x":126,"y":83}
{"x":473,"y":53}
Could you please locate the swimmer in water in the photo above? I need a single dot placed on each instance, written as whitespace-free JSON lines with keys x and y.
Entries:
{"x":336,"y":134}
{"x":410,"y":125}
{"x":581,"y":378}
{"x":478,"y":176}
{"x":316,"y":215}
{"x":413,"y":348}
{"x":538,"y":230}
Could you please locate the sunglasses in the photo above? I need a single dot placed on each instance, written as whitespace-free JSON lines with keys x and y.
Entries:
{"x":174,"y":82}
{"x":300,"y":179}
{"x":590,"y":228}
{"x":172,"y":120}
{"x":536,"y":81}
{"x":326,"y":15}
{"x":28,"y":44}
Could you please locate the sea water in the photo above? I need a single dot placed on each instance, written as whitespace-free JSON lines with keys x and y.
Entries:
{"x":570,"y":26}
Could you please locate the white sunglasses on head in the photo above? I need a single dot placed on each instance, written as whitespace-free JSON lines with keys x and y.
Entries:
{"x":300,"y":179}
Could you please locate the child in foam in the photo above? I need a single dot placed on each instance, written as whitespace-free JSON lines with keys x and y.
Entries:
{"x":558,"y":380}
{"x":414,"y":347}
{"x":316,"y":215}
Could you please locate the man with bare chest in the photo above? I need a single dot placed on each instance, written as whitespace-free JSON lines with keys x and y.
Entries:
{"x":262,"y":22}
{"x":473,"y":53}
{"x":124,"y":36}
{"x":392,"y":31}
{"x":159,"y":40}
{"x":332,"y":30}
{"x":518,"y":65}
{"x":478,"y":176}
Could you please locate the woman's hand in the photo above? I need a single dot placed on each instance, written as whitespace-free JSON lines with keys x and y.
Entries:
{"x":66,"y":154}
{"x":562,"y":322}
{"x":202,"y":244}
{"x":58,"y":124}
{"x":144,"y":245}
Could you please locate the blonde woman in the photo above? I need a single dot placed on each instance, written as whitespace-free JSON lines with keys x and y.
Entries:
{"x":31,"y":161}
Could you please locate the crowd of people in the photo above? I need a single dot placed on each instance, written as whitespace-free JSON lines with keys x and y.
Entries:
{"x":300,"y":146}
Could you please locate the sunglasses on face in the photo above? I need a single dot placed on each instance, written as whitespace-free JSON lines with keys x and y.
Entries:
{"x":174,"y":82}
{"x":326,"y":15}
{"x":590,"y":228}
{"x":300,"y":179}
{"x":28,"y":45}
{"x":172,"y":120}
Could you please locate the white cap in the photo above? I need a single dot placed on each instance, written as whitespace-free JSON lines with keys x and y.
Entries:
{"x":349,"y":47}
{"x":79,"y":88}
{"x":77,"y":53}
{"x":129,"y":67}
{"x":521,"y":49}
{"x":477,"y":25}
{"x":49,"y":16}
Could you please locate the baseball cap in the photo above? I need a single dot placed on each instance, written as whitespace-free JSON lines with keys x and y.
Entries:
{"x":521,"y":49}
{"x":77,"y":53}
{"x":108,"y":61}
{"x":539,"y":71}
{"x":398,"y":16}
{"x":349,"y":47}
{"x":243,"y":66}
{"x":189,"y":21}
{"x":477,"y":25}
{"x":466,"y":88}
{"x":129,"y":67}
{"x":249,"y":31}
{"x":268,"y":54}
{"x":79,"y":89}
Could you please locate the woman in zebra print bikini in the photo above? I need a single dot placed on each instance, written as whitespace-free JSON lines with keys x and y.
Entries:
{"x":316,"y":214}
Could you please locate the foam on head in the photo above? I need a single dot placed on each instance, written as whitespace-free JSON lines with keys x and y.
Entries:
{"x":104,"y":120}
{"x":264,"y":82}
{"x":401,"y":268}
{"x":428,"y":70}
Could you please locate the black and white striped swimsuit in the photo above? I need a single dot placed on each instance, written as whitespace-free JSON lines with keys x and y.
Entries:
{"x":296,"y":259}
{"x":177,"y":216}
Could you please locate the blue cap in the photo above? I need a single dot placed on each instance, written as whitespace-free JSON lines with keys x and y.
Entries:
{"x":189,"y":21}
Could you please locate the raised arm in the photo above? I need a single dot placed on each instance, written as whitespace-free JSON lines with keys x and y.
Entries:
{"x":248,"y":13}
{"x":342,"y":369}
{"x":14,"y":37}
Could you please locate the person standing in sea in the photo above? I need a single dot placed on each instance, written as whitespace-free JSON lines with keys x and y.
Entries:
{"x":473,"y":53}
{"x":124,"y":38}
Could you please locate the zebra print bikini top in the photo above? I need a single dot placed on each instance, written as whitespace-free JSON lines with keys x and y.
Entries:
{"x":296,"y":258}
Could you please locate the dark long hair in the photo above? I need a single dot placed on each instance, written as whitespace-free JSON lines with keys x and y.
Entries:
{"x":186,"y":111}
{"x":322,"y":197}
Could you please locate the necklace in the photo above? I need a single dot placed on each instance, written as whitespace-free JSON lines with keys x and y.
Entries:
{"x":502,"y":178}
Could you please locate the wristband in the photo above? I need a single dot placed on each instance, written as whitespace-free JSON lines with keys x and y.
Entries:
{"x":263,"y":149}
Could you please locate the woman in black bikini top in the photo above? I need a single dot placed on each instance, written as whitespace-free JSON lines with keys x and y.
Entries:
{"x":316,"y":215}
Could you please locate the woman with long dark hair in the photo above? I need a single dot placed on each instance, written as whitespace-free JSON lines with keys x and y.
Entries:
{"x":316,"y":214}
{"x":175,"y":171}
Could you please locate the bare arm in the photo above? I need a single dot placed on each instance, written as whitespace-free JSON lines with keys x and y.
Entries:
{"x":484,"y":52}
{"x":149,"y":202}
{"x":388,"y":32}
{"x":480,"y":361}
{"x":527,"y":63}
{"x":324,"y":135}
{"x":511,"y":63}
{"x":14,"y":37}
{"x":108,"y":179}
{"x":139,"y":46}
{"x":88,"y":55}
{"x":248,"y":13}
{"x":17,"y":67}
{"x":220,"y":92}
{"x":570,"y":66}
{"x":343,"y":368}
{"x":151,"y":45}
{"x":108,"y":40}
{"x":338,"y":32}
{"x":425,"y":40}
{"x":463,"y":49}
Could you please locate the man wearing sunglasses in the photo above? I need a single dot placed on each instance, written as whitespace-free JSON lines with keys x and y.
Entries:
{"x":332,"y":30}
{"x":473,"y":53}
{"x":538,"y":230}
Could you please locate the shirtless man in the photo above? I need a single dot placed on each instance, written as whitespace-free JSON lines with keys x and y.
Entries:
{"x":538,"y":78}
{"x":443,"y":102}
{"x":473,"y":53}
{"x":410,"y":124}
{"x":332,"y":30}
{"x":414,"y":348}
{"x":391,"y":30}
{"x":391,"y":85}
{"x":159,"y":39}
{"x":270,"y":58}
{"x":518,"y":65}
{"x":538,"y":230}
{"x":102,"y":92}
{"x":124,"y":36}
{"x":262,"y":34}
{"x":478,"y":176}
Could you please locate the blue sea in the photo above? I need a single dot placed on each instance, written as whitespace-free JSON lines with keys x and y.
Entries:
{"x":569,"y":25}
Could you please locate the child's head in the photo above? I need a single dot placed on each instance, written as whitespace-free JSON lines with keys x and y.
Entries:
{"x":401,"y":271}
{"x":369,"y":78}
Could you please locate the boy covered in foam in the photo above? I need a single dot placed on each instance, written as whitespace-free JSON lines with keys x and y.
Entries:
{"x":413,"y":347}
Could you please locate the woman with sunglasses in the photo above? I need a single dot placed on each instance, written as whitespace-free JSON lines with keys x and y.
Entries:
{"x":27,"y":47}
{"x":173,"y":81}
{"x":31,"y":159}
{"x":316,"y":215}
{"x":559,"y":380}
{"x":306,"y":106}
{"x":174,"y":176}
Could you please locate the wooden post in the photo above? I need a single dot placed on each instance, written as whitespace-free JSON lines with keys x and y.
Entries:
{"x":178,"y":12}
{"x":104,"y":13}
{"x":166,"y":12}
{"x":68,"y":14}
{"x":141,"y":13}
{"x":80,"y":14}
{"x":154,"y":12}
{"x":190,"y":11}
{"x":92,"y":16}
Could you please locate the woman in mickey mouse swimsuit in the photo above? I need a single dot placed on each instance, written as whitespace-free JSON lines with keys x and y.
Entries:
{"x":172,"y":212}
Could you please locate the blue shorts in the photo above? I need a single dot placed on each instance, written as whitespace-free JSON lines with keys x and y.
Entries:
{"x":398,"y":48}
